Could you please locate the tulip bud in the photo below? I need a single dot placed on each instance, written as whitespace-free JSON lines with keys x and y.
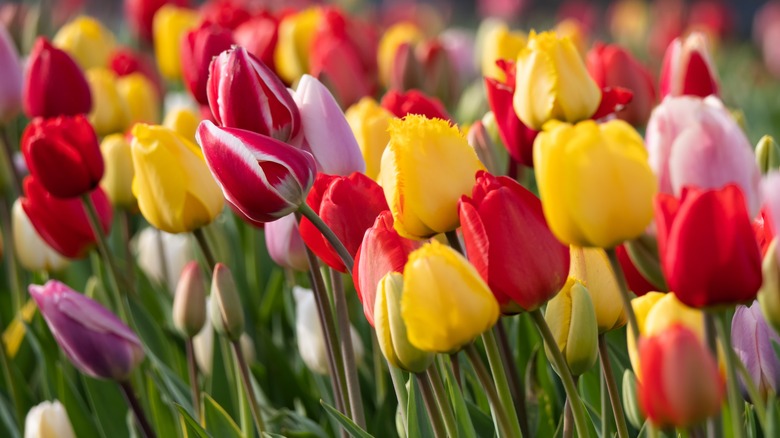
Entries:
{"x":183,"y":121}
{"x":767,"y":154}
{"x":11,"y":71}
{"x":87,"y":41}
{"x":53,"y":84}
{"x":484,"y":145}
{"x":198,"y":47}
{"x":285,"y":245}
{"x":387,"y":53}
{"x":163,"y":256}
{"x":631,"y":400}
{"x":769,"y":294}
{"x":109,"y":113}
{"x":169,"y":26}
{"x":140,"y":15}
{"x":500,"y":43}
{"x":259,"y":36}
{"x":296,"y":33}
{"x":591,"y":267}
{"x":118,"y":176}
{"x":33,"y":253}
{"x":189,"y":302}
{"x":140,"y":98}
{"x":407,"y":73}
{"x":227,"y":313}
{"x":754,"y":342}
{"x":47,"y":420}
{"x":391,"y":330}
{"x":687,"y":68}
{"x":369,"y":123}
{"x":572,"y":320}
{"x":93,"y":338}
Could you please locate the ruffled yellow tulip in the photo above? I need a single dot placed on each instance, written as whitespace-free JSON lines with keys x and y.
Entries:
{"x":296,"y":33}
{"x":118,"y":176}
{"x":572,"y":320}
{"x":140,"y":98}
{"x":169,"y":25}
{"x":369,"y":123}
{"x":595,"y":182}
{"x":400,"y":33}
{"x":445,"y":302}
{"x":184,"y":121}
{"x":87,"y":41}
{"x":109,"y":113}
{"x":175,"y":190}
{"x":553,"y":83}
{"x":500,"y":43}
{"x":427,"y":166}
{"x":591,"y":267}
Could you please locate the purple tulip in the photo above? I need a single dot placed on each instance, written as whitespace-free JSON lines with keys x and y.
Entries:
{"x":11,"y":71}
{"x":285,"y":245}
{"x":93,"y":338}
{"x":752,"y":339}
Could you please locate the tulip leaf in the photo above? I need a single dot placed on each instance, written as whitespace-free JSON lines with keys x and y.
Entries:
{"x":482,"y":422}
{"x":8,"y":419}
{"x":416,"y":425}
{"x":108,"y":406}
{"x":191,"y":427}
{"x":463,"y":414}
{"x":163,"y":417}
{"x":352,"y":429}
{"x":218,"y":422}
{"x":78,"y":412}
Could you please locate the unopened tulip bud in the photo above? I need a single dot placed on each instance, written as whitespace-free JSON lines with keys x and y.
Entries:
{"x":48,"y":420}
{"x":391,"y":329}
{"x":118,"y":176}
{"x":392,"y":39}
{"x":572,"y":320}
{"x":170,"y":25}
{"x":184,"y":121}
{"x":591,"y":267}
{"x":407,"y":71}
{"x":189,"y":303}
{"x":688,"y":68}
{"x":87,"y":41}
{"x":33,"y":253}
{"x":768,"y":154}
{"x":53,"y":84}
{"x":631,"y":400}
{"x":493,"y":156}
{"x":769,"y":294}
{"x":227,"y":313}
{"x":109,"y":113}
{"x":285,"y":245}
{"x":140,"y":98}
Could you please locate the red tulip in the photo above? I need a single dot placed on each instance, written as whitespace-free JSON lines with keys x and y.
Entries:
{"x":198,"y":47}
{"x":228,"y":14}
{"x":63,"y":154}
{"x":140,"y":14}
{"x":349,"y":206}
{"x":125,"y":61}
{"x":687,"y":69}
{"x":680,"y":381}
{"x":414,"y":102}
{"x":381,"y":251}
{"x":258,"y":36}
{"x":708,"y":250}
{"x":54,"y":85}
{"x":762,"y":227}
{"x":63,"y":223}
{"x":508,"y":241}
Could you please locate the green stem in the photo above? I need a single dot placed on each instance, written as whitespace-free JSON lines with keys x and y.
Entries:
{"x":578,"y":410}
{"x":439,"y":431}
{"x":502,"y":383}
{"x":16,"y":178}
{"x":617,"y":270}
{"x":714,"y":423}
{"x":735,"y":406}
{"x":515,"y":385}
{"x":248,"y":388}
{"x":334,"y":241}
{"x":378,"y":369}
{"x":11,"y":384}
{"x":605,"y":400}
{"x":755,"y":396}
{"x":17,"y":294}
{"x":399,"y":385}
{"x":568,"y":419}
{"x":194,"y":387}
{"x":347,"y":349}
{"x":432,"y":373}
{"x":208,"y":254}
{"x":132,"y":401}
{"x":127,"y":233}
{"x":612,"y":389}
{"x":504,"y":429}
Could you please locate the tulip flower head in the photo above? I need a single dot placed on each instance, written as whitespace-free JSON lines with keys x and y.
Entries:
{"x":688,"y":69}
{"x":109,"y":113}
{"x":500,"y":43}
{"x":198,"y":47}
{"x":162,"y":256}
{"x":53,"y":84}
{"x":87,"y":41}
{"x":285,"y":245}
{"x":414,"y":102}
{"x":369,"y":123}
{"x":189,"y":301}
{"x":259,"y":36}
{"x":591,"y":267}
{"x":140,"y":15}
{"x":141,"y":100}
{"x":572,"y":320}
{"x":117,"y":181}
{"x":47,"y":420}
{"x":170,"y":24}
{"x":33,"y":253}
{"x":753,"y":341}
{"x":296,"y":34}
{"x":93,"y":338}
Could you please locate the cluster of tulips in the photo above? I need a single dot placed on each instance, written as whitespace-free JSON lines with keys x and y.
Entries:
{"x":526,"y":238}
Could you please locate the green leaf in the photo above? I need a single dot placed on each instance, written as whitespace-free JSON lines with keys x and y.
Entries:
{"x":483,"y":423}
{"x":163,"y":417}
{"x":416,"y":425}
{"x":8,"y":419}
{"x":79,"y":414}
{"x":462,"y":415}
{"x":191,"y":427}
{"x":218,"y":422}
{"x":353,"y":429}
{"x":108,"y":406}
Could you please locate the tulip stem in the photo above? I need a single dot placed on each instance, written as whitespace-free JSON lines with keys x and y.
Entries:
{"x":16,"y":178}
{"x":125,"y":228}
{"x":568,"y":419}
{"x":502,"y":383}
{"x":132,"y":401}
{"x":195,"y":389}
{"x":205,"y":248}
{"x":334,"y":241}
{"x":504,"y":429}
{"x":755,"y":396}
{"x":580,"y":418}
{"x":401,"y":394}
{"x":714,"y":423}
{"x":722,"y":320}
{"x":248,"y":388}
{"x":612,"y":389}
{"x":439,"y":431}
{"x":432,"y":373}
{"x":617,"y":270}
{"x":347,"y":349}
{"x":515,"y":385}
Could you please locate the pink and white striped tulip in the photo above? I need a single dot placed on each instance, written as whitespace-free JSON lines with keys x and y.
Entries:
{"x":687,"y":68}
{"x":244,"y":93}
{"x":262,"y":178}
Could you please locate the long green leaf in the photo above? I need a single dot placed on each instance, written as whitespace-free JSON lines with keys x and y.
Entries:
{"x":191,"y":427}
{"x":108,"y":407}
{"x":163,"y":417}
{"x":218,"y":422}
{"x":462,"y":413}
{"x":352,"y":429}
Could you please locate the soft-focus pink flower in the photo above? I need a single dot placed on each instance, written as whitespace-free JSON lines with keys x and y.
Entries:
{"x":11,"y":72}
{"x":687,"y":68}
{"x":285,"y":245}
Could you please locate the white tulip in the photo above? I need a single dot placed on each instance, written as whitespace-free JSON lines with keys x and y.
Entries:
{"x":33,"y":253}
{"x":48,"y":420}
{"x":162,"y":256}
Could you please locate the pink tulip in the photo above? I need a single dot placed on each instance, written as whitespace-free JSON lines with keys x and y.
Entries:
{"x":687,"y":68}
{"x":285,"y":245}
{"x":11,"y":71}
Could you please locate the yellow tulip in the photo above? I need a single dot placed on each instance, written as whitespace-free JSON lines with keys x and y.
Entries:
{"x":572,"y":320}
{"x":175,"y":190}
{"x":118,"y":176}
{"x":109,"y":112}
{"x":140,"y":97}
{"x":591,"y":267}
{"x":427,"y":166}
{"x":553,"y":83}
{"x":400,"y":33}
{"x":296,"y":33}
{"x":572,"y":28}
{"x":369,"y":123}
{"x":445,"y":302}
{"x":169,"y":25}
{"x":500,"y":43}
{"x":87,"y":41}
{"x":184,"y":121}
{"x":595,"y":182}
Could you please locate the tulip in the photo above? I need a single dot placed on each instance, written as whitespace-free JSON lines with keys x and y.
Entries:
{"x":11,"y":85}
{"x":162,"y":256}
{"x":483,"y":137}
{"x":53,"y":84}
{"x":753,"y":342}
{"x":93,"y":338}
{"x":87,"y":41}
{"x":243,"y":93}
{"x":259,"y":36}
{"x":393,"y":38}
{"x":118,"y":178}
{"x":125,"y":62}
{"x":687,"y":68}
{"x":285,"y":245}
{"x":169,"y":27}
{"x":63,"y":223}
{"x":226,"y":312}
{"x":445,"y":303}
{"x":262,"y":178}
{"x":140,"y":15}
{"x":594,"y":181}
{"x":681,"y":384}
{"x":552,"y":82}
{"x":767,"y":155}
{"x":110,"y":113}
{"x":709,"y":254}
{"x":369,"y":123}
{"x":328,"y":135}
{"x":500,"y":43}
{"x":183,"y":121}
{"x":414,"y":102}
{"x":695,"y":142}
{"x":508,"y":242}
{"x":613,"y":66}
{"x":63,"y":154}
{"x":427,"y":167}
{"x":48,"y":420}
{"x":296,"y":34}
{"x":140,"y":98}
{"x":591,"y":267}
{"x":189,"y":301}
{"x":460,"y":45}
{"x":203,"y":345}
{"x":172,"y":184}
{"x":32,"y":252}
{"x":198,"y":47}
{"x":391,"y":329}
{"x":572,"y":320}
{"x":225,"y":13}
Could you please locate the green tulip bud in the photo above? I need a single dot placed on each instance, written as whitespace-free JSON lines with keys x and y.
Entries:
{"x":767,"y":154}
{"x":631,"y":400}
{"x":189,"y":302}
{"x":227,"y":314}
{"x":572,"y":320}
{"x":769,"y":294}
